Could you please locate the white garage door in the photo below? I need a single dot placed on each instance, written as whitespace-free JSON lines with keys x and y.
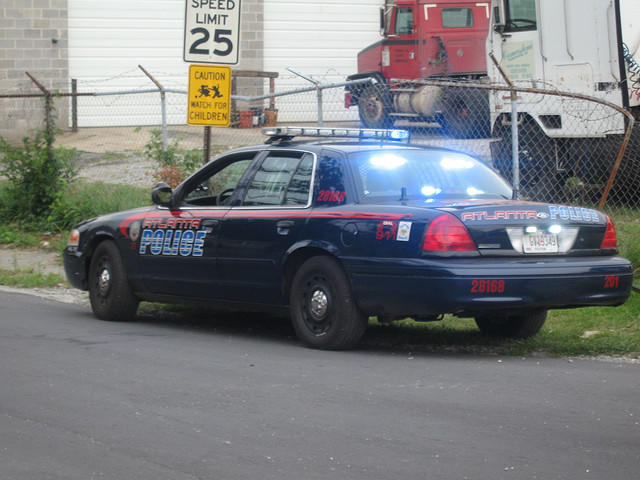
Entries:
{"x":320,"y":39}
{"x":107,"y":42}
{"x":109,"y":39}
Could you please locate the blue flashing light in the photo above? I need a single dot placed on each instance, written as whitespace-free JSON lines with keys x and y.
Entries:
{"x":399,"y":134}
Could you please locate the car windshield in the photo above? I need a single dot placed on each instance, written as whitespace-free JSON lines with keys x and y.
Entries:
{"x":424,"y":175}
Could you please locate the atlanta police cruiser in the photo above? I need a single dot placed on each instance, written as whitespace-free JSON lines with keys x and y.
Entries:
{"x":334,"y":231}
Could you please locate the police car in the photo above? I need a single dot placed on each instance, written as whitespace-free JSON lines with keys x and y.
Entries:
{"x":336,"y":230}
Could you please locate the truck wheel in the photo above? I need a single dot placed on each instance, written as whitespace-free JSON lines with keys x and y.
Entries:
{"x":323,"y":312}
{"x":465,"y":113}
{"x":512,"y":326}
{"x":539,"y":180}
{"x":374,"y":105}
{"x":109,"y":291}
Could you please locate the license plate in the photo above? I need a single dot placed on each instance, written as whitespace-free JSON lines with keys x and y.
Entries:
{"x":540,"y":243}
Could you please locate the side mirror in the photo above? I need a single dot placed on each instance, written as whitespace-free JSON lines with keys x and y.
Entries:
{"x":498,"y":18}
{"x":162,"y":194}
{"x":381,"y":20}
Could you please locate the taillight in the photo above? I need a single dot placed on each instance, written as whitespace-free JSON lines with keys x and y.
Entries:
{"x":445,"y":234}
{"x":610,"y":239}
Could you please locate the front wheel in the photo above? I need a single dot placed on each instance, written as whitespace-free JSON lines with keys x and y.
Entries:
{"x":323,"y":312}
{"x":109,"y":291}
{"x":522,"y":325}
{"x":374,"y":106}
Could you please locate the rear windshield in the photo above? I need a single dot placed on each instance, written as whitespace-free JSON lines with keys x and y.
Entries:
{"x":427,"y":175}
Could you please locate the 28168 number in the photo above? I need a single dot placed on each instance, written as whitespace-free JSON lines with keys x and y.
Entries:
{"x":487,"y":286}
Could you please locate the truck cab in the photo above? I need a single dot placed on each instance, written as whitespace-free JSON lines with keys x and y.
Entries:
{"x":441,"y":39}
{"x":423,"y":39}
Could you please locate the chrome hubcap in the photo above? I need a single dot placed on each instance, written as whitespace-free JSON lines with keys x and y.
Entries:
{"x":319,"y":303}
{"x":104,"y":281}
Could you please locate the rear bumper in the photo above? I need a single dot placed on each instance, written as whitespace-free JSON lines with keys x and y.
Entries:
{"x":412,"y":287}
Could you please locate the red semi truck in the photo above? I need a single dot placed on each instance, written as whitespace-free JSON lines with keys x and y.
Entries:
{"x":426,"y":39}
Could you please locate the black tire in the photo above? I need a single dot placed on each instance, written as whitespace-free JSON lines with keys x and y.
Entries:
{"x":522,"y":325}
{"x":374,"y":106}
{"x":465,"y":113}
{"x":539,"y":180}
{"x":109,"y":291}
{"x":323,"y":312}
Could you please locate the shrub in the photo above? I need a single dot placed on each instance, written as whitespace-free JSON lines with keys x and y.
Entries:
{"x":174,"y":164}
{"x":84,"y":200}
{"x":37,"y":174}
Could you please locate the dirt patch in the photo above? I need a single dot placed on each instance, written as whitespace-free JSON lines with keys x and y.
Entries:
{"x":36,"y":259}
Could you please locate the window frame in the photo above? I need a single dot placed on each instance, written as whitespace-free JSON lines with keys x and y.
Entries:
{"x":468,"y":9}
{"x":255,"y":169}
{"x":397,"y":12}
{"x":213,"y":168}
{"x":508,"y":28}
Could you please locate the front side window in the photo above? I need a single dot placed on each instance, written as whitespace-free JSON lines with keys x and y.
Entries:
{"x":521,"y":15}
{"x":217,"y":188}
{"x":424,"y":176}
{"x":457,"y":17}
{"x":404,"y":21}
{"x":282,"y":179}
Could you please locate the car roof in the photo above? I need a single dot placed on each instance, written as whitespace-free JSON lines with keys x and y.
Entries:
{"x":346,"y":146}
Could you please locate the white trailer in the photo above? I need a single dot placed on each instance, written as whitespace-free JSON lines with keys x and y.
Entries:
{"x":567,"y":45}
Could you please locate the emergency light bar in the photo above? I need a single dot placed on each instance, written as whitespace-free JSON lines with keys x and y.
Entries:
{"x":325,"y":132}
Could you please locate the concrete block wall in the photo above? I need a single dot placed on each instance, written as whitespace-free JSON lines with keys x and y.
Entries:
{"x":251,"y":46}
{"x":33,"y":38}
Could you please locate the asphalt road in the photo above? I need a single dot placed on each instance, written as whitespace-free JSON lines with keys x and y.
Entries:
{"x":177,"y":398}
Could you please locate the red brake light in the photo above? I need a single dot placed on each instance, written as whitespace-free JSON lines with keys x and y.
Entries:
{"x":447,"y":233}
{"x":610,"y":239}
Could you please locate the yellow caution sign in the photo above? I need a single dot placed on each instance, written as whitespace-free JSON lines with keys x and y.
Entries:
{"x":209,"y":95}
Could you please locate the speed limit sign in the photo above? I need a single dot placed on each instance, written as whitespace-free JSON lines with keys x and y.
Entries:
{"x":212,"y":31}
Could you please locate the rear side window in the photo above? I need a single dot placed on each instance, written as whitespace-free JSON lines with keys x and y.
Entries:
{"x":330,"y":182}
{"x":282,"y":179}
{"x":457,"y":17}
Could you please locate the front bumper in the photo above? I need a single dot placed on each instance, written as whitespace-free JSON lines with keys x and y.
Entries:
{"x":74,"y":268}
{"x":420,"y":287}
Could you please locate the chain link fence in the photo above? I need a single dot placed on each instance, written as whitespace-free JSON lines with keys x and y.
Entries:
{"x":569,"y":148}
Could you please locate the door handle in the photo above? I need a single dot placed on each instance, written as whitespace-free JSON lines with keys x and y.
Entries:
{"x":284,"y":226}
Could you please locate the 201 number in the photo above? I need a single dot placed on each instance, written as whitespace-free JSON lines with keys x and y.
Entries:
{"x":220,"y":36}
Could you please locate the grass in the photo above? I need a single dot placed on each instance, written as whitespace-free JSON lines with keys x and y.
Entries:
{"x":573,"y":332}
{"x":30,"y":278}
{"x":628,"y":228}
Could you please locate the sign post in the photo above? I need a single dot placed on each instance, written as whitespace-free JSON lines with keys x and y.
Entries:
{"x":212,"y":31}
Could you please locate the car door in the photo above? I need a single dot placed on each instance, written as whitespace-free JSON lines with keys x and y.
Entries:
{"x":256,"y":234}
{"x":177,"y":254}
{"x":401,"y":47}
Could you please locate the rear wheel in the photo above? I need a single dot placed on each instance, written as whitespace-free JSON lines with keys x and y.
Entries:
{"x":109,"y":291}
{"x":522,"y":325}
{"x":465,"y":113}
{"x":539,"y":180}
{"x":323,"y":312}
{"x":374,"y":106}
